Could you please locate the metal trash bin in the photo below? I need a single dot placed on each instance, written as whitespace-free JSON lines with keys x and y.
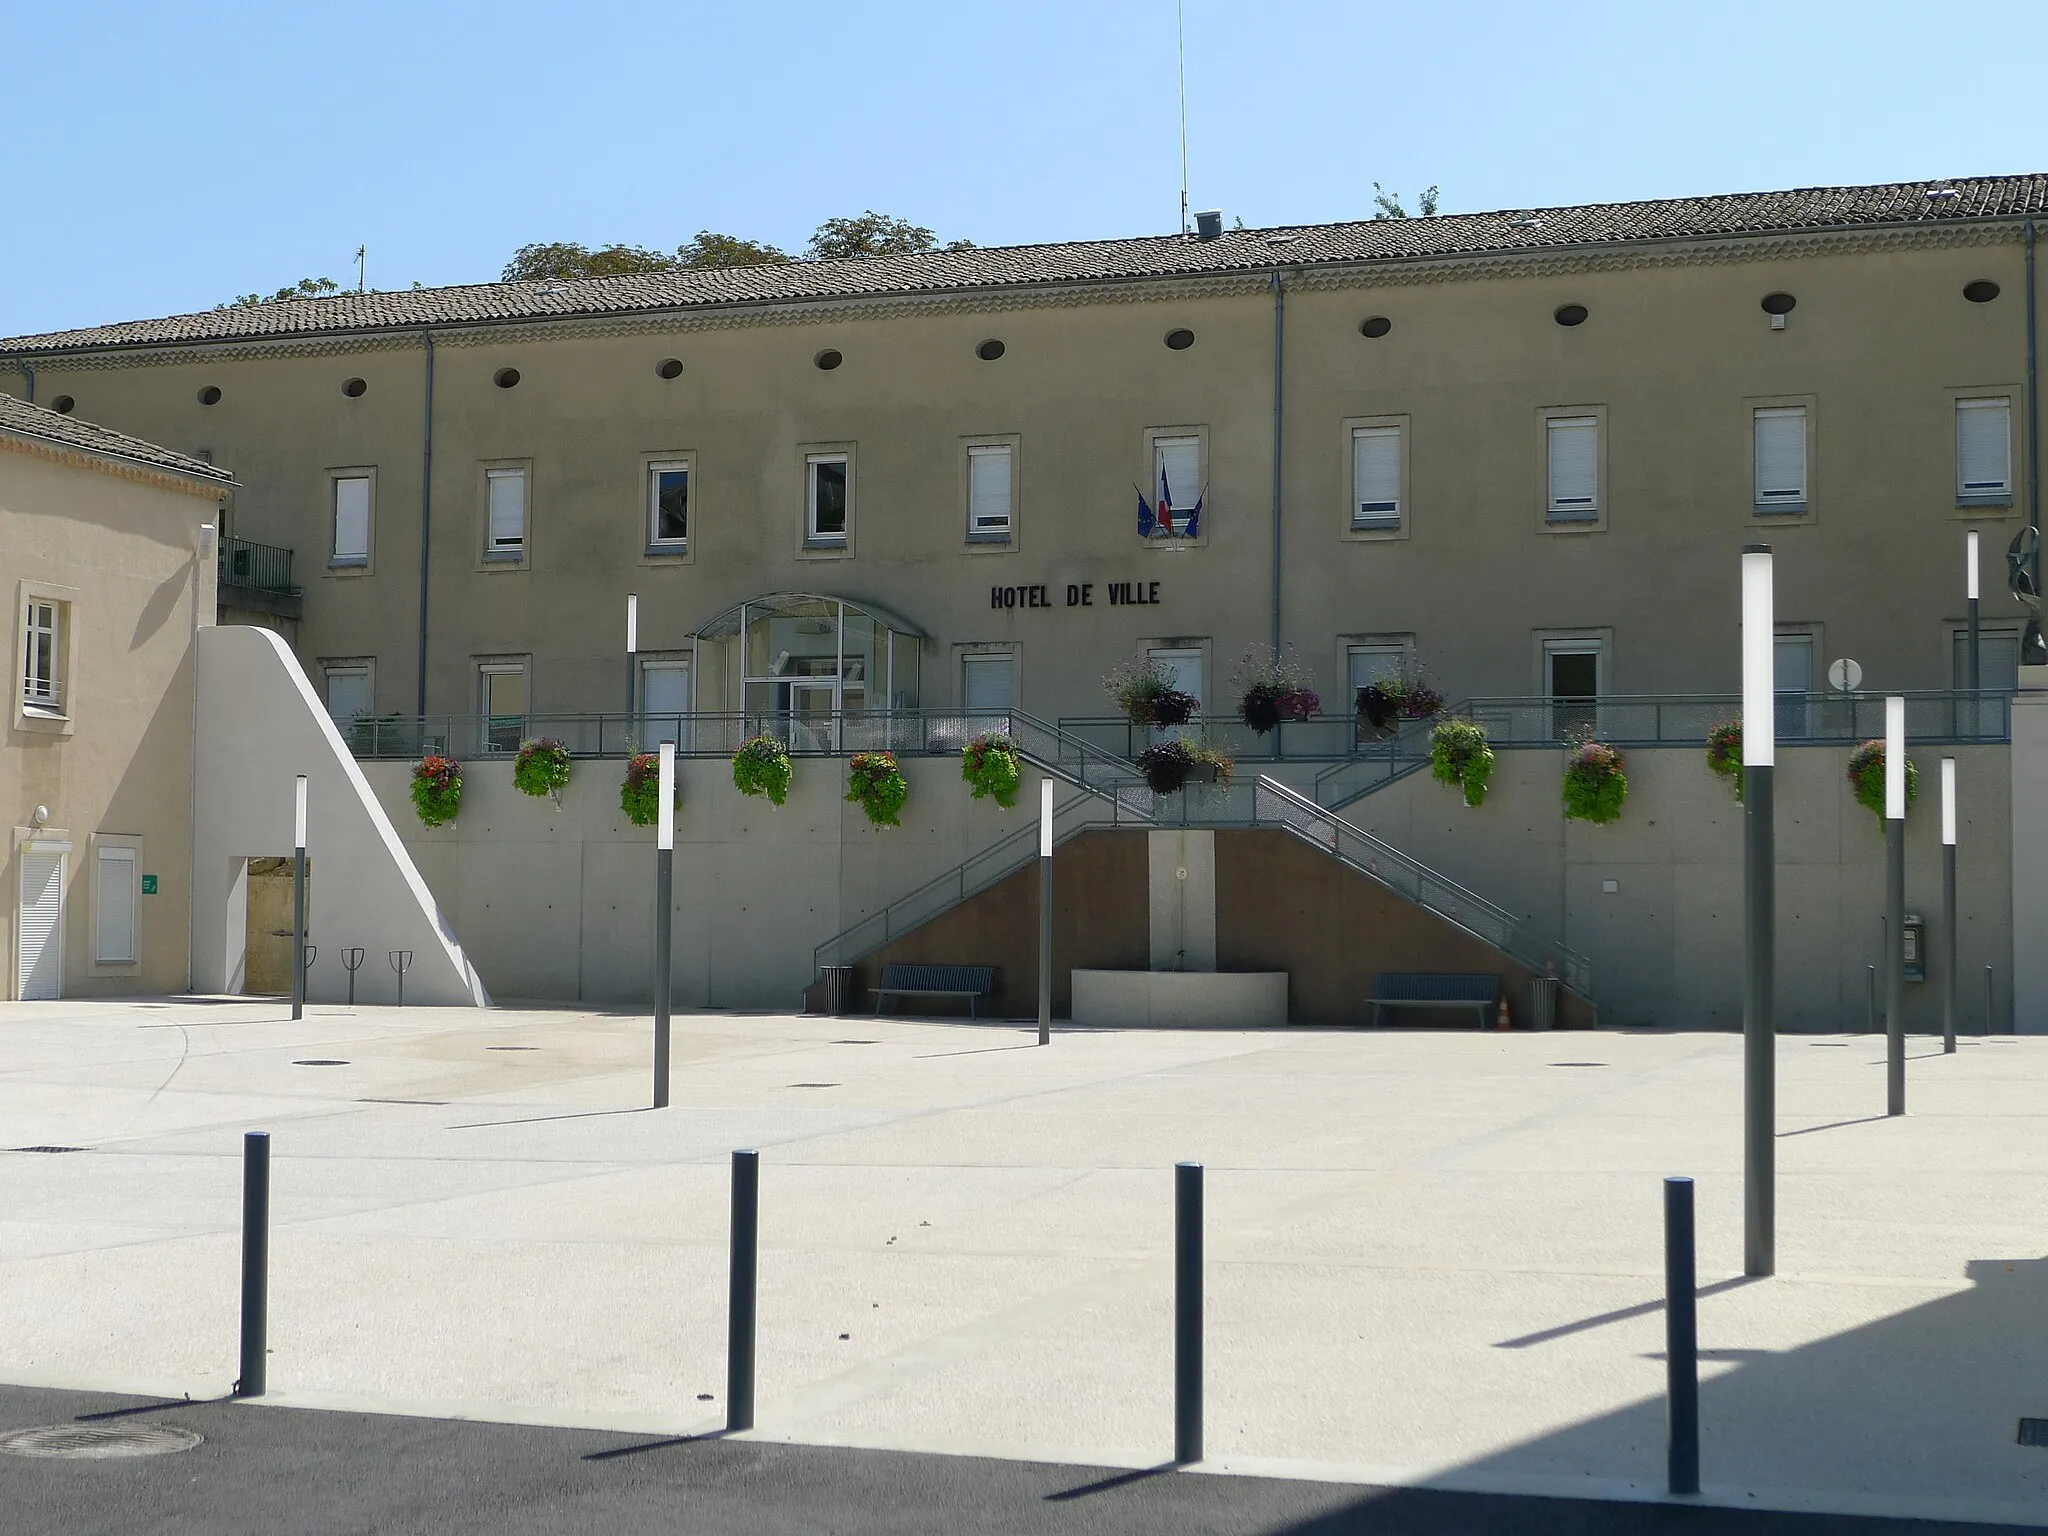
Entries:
{"x":838,"y":981}
{"x":1543,"y":1003}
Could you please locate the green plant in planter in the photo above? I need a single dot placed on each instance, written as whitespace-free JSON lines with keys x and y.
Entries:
{"x":761,"y":767}
{"x":542,"y":767}
{"x":1272,"y":686}
{"x":875,"y":782}
{"x":989,"y":765}
{"x":1724,"y":753}
{"x":1594,"y":784}
{"x":640,"y":793}
{"x":437,"y":790}
{"x":1460,"y":756}
{"x":1168,"y":765}
{"x":1144,"y":690}
{"x":1866,"y":778}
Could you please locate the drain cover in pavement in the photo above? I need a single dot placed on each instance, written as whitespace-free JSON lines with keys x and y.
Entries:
{"x":98,"y":1442}
{"x":319,"y":1061}
{"x":46,"y":1149}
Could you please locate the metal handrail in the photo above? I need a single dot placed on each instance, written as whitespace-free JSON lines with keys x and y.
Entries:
{"x":267,"y":567}
{"x":1935,"y":716}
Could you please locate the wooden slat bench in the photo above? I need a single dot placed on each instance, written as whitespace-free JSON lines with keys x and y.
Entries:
{"x":973,"y":982}
{"x":1422,"y":989}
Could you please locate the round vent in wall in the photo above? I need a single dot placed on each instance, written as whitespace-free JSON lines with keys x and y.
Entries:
{"x":990,"y":350}
{"x":354,"y":388}
{"x":1570,"y":314}
{"x":210,"y":395}
{"x":1180,"y":341}
{"x":828,"y":360}
{"x":1376,"y":327}
{"x":669,"y":367}
{"x":1982,"y":291}
{"x":505,"y":378}
{"x":1778,"y":303}
{"x":63,"y":405}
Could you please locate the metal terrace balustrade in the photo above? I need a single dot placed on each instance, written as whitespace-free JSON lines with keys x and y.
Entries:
{"x":1943,"y":717}
{"x":910,"y":733}
{"x":245,"y":563}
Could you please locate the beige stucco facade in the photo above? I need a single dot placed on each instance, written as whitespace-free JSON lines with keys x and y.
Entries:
{"x":1674,"y":358}
{"x":117,"y":550}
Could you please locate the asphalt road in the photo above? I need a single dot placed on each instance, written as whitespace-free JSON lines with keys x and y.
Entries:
{"x":289,"y":1472}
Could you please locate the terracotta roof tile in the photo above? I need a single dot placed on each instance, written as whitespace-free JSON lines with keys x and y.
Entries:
{"x":25,"y":420}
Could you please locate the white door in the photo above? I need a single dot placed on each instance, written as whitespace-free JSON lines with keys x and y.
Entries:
{"x":1185,"y":668}
{"x":664,"y":701}
{"x":1792,"y":678}
{"x":42,"y":925}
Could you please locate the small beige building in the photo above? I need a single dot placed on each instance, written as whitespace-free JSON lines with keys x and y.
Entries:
{"x":107,"y":553}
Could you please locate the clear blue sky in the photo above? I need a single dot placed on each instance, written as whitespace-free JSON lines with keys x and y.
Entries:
{"x":162,"y":157}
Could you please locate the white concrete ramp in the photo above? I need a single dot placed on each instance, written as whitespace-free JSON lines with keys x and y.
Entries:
{"x":260,"y":725}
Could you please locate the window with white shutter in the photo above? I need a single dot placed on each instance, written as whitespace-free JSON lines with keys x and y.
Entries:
{"x":988,"y":491}
{"x":115,"y":881}
{"x":351,"y":520}
{"x":1177,"y":472}
{"x":1574,"y":469}
{"x":1984,"y":452}
{"x":348,"y":692}
{"x":39,"y":929}
{"x":1376,"y":477}
{"x":987,"y":683}
{"x":507,"y":514}
{"x":1781,"y":459}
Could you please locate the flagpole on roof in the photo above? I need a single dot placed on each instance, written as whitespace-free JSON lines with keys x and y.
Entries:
{"x":1181,"y":42}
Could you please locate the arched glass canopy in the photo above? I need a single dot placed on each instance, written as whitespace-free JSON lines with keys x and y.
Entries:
{"x":804,"y":658}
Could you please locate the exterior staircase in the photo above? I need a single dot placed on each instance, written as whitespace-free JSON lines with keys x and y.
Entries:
{"x":1112,"y":793}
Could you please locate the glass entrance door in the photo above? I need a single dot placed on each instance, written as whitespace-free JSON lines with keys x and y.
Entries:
{"x":812,"y":707}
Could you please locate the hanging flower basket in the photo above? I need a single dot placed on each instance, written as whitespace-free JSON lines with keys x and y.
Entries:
{"x":877,"y":785}
{"x":1724,"y":753}
{"x":640,"y":793}
{"x":1171,"y":766}
{"x":1144,"y":691}
{"x":437,"y":790}
{"x":761,"y":767}
{"x":542,"y":768}
{"x":1383,"y":704}
{"x":1866,"y":778}
{"x":1594,"y":784}
{"x":1460,"y":756}
{"x":991,"y":768}
{"x":1272,"y":686}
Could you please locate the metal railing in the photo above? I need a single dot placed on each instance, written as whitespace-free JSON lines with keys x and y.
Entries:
{"x":1936,"y":716}
{"x":910,"y":733}
{"x":1320,"y":737}
{"x":245,"y":563}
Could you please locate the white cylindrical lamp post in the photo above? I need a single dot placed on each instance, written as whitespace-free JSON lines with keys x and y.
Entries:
{"x":1045,"y":911}
{"x":1760,"y":899}
{"x":299,"y":897}
{"x":664,"y":913}
{"x":1895,"y":904}
{"x":1951,"y":975}
{"x":632,"y":662}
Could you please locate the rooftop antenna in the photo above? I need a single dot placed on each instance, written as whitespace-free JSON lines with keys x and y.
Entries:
{"x":1180,"y":28}
{"x":362,"y":266}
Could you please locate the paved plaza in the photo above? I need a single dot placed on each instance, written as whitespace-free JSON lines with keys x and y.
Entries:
{"x":1434,"y":1256}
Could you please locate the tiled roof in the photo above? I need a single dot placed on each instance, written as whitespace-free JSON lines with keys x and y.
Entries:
{"x":1024,"y":266}
{"x":26,"y":420}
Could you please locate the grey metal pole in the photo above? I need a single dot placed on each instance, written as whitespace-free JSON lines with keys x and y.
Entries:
{"x":1681,"y":1339}
{"x":1760,"y":901}
{"x":1045,"y":912}
{"x":1870,"y":1001}
{"x":1894,"y":965}
{"x":1760,"y":1026}
{"x":255,"y":1263}
{"x":744,"y":1277}
{"x":1187,"y":1312}
{"x":1976,"y":663}
{"x":664,"y":901}
{"x":1987,"y":999}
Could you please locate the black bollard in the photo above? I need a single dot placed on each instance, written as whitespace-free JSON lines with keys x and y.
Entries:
{"x":745,"y":1279}
{"x":1681,"y":1338}
{"x":1187,"y":1312}
{"x":255,"y":1262}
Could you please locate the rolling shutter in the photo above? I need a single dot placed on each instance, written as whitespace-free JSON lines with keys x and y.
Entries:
{"x":41,"y":967}
{"x":1376,"y":477}
{"x":1983,"y":450}
{"x":986,"y":686}
{"x":1574,"y":469}
{"x":508,"y":509}
{"x":1781,"y":459}
{"x":116,"y":938}
{"x":988,"y":490}
{"x":352,"y":519}
{"x":1177,"y":472}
